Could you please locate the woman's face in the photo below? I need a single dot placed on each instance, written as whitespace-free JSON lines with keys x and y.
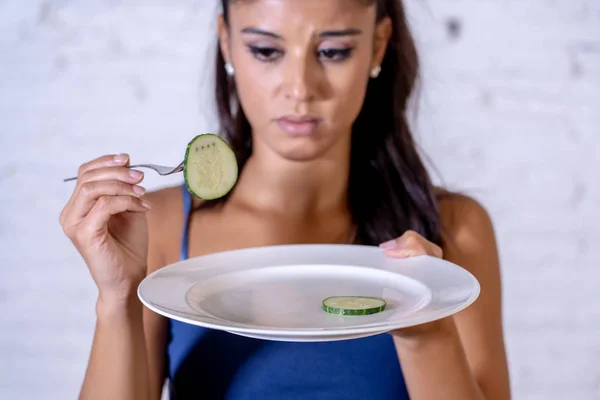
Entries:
{"x":301,"y":69}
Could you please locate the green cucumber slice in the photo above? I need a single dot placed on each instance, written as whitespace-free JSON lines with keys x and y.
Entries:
{"x":210,"y":169}
{"x":353,"y":305}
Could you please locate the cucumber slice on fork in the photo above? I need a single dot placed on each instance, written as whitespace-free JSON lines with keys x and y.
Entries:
{"x":210,"y":168}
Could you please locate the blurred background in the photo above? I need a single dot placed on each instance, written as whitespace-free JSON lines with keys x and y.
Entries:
{"x":509,"y":113}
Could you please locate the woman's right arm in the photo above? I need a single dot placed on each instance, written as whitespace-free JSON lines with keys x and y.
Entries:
{"x":106,"y":220}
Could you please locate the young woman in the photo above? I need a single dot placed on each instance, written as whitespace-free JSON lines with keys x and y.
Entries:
{"x":312,"y":97}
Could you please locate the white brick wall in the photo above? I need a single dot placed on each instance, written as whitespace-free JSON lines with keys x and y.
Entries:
{"x":509,"y":114}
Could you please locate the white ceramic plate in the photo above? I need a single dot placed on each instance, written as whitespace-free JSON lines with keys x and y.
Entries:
{"x":276,"y":292}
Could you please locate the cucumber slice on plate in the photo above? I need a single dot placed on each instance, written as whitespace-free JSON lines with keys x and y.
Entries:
{"x":353,"y":305}
{"x":210,"y":168}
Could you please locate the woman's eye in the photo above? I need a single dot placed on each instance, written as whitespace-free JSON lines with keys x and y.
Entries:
{"x":335,"y":54}
{"x":265,"y":53}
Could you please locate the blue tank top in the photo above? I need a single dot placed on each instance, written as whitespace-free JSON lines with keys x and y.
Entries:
{"x":209,"y":364}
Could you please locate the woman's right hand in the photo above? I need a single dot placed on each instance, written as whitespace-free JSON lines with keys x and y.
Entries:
{"x":105,"y":219}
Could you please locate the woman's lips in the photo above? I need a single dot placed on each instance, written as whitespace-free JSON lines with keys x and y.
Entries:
{"x":298,"y":125}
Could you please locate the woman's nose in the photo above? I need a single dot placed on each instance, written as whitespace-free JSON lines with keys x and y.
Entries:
{"x":301,"y":83}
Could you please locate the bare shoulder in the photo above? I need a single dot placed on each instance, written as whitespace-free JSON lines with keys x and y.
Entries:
{"x":467,"y":227}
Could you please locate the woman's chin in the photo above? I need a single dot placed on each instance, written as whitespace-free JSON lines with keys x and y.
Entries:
{"x":303,"y":153}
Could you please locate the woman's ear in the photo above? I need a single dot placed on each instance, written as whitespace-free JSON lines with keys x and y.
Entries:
{"x":383,"y":32}
{"x":223,"y":32}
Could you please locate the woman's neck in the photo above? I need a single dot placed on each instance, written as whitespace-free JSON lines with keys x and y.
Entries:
{"x":271,"y":183}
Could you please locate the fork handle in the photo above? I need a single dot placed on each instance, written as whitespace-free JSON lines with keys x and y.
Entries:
{"x":74,"y":178}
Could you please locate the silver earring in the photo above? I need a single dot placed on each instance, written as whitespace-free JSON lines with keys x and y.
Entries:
{"x":229,"y":69}
{"x":375,"y":71}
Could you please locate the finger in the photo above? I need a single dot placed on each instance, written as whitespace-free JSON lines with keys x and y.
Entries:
{"x":84,"y":185}
{"x":400,"y":241}
{"x":63,"y":219}
{"x":410,"y":238}
{"x":436,"y":251}
{"x":111,"y":173}
{"x":418,"y":245}
{"x":107,"y":206}
{"x":104,"y":161}
{"x":91,"y":192}
{"x":414,"y":251}
{"x":411,"y":244}
{"x":406,"y":252}
{"x":394,"y":243}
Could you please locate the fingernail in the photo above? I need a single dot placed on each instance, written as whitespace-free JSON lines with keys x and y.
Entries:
{"x":136,"y":174}
{"x":120,"y":159}
{"x":140,"y":191}
{"x":391,"y":244}
{"x":146,"y":205}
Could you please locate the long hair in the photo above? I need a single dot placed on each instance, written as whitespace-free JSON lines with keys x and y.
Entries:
{"x":390,"y":190}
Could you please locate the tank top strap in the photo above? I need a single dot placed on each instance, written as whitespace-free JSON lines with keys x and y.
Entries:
{"x":187,"y":209}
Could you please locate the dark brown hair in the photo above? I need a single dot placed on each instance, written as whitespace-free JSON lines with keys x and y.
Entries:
{"x":390,"y":190}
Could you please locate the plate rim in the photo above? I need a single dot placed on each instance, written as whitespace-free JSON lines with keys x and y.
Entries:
{"x":204,"y":321}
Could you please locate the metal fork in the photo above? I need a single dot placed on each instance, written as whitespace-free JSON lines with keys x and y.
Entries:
{"x":161,"y":169}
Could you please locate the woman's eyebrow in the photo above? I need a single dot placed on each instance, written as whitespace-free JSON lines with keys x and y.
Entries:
{"x":257,"y":31}
{"x":342,"y":32}
{"x":331,"y":33}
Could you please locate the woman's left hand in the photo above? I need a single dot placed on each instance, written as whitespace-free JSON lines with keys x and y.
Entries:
{"x":411,"y":244}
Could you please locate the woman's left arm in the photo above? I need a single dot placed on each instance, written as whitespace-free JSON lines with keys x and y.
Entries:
{"x":460,"y":357}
